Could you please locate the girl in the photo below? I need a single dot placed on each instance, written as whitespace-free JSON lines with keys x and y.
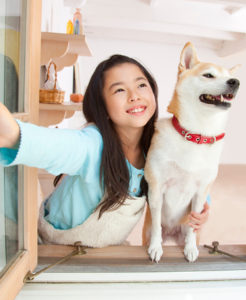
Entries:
{"x":104,"y":161}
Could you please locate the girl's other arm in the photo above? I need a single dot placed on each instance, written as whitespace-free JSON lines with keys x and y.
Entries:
{"x":197,"y":220}
{"x":9,"y":129}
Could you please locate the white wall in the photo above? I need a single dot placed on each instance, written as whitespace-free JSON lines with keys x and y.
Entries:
{"x":162,"y":61}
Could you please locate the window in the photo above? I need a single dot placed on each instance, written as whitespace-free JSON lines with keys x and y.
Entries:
{"x":19,"y":64}
{"x":112,"y":264}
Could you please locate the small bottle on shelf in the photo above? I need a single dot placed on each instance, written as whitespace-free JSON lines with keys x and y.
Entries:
{"x":77,"y":22}
{"x":69,"y":27}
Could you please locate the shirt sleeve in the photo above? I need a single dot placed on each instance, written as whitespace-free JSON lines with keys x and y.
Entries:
{"x":209,"y":199}
{"x":68,"y":151}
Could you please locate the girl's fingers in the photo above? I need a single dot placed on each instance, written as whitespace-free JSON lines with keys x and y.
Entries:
{"x":194,"y":226}
{"x":203,"y":214}
{"x":195,"y":221}
{"x":195,"y":214}
{"x":198,"y":216}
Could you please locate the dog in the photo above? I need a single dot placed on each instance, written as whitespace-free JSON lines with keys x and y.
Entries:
{"x":183,"y":158}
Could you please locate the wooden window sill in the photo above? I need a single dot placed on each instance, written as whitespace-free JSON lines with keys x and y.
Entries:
{"x":137,"y":253}
{"x":131,"y":263}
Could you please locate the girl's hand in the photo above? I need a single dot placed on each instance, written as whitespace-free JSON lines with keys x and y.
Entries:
{"x":196,"y":220}
{"x":9,"y":129}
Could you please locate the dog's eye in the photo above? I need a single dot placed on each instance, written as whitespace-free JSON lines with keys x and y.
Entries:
{"x":208,"y":75}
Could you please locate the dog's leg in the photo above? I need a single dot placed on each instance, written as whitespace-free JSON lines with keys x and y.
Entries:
{"x":191,"y":251}
{"x":155,"y":203}
{"x":146,"y":227}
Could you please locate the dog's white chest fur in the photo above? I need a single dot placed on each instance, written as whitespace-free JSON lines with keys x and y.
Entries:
{"x":183,"y":168}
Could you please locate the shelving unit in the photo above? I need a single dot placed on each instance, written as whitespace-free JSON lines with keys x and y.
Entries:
{"x":64,"y":50}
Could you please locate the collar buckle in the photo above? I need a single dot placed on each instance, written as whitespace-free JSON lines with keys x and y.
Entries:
{"x":188,"y":136}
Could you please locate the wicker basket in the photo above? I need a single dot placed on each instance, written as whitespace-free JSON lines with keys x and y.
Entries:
{"x":51,"y":96}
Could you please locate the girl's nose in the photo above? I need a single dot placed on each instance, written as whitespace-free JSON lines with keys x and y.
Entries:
{"x":133,"y":97}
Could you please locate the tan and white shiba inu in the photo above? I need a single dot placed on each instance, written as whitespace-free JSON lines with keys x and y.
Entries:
{"x":183,"y":158}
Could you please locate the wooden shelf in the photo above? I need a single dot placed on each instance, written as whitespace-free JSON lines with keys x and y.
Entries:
{"x":63,"y":49}
{"x":66,"y":106}
{"x":50,"y":114}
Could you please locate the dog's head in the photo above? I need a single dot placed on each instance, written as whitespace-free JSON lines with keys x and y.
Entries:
{"x":204,"y":86}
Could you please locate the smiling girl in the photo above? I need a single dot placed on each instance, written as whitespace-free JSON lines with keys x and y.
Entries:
{"x":104,"y":161}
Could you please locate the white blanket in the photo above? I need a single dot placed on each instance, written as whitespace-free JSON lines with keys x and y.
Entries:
{"x":112,"y":228}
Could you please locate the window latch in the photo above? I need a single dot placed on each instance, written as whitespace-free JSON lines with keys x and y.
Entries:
{"x":215,"y":250}
{"x":79,"y":250}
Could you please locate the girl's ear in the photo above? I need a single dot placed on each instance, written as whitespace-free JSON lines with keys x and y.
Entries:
{"x":188,"y":58}
{"x":234,"y":69}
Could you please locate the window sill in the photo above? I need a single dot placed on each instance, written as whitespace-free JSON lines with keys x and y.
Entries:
{"x":131,"y":264}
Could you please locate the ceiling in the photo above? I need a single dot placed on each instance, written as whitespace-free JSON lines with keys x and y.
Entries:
{"x":219,"y":24}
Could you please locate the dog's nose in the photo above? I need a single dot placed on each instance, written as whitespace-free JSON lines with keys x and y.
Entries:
{"x":233,"y":83}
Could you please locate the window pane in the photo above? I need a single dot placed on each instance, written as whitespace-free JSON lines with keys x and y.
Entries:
{"x":11,"y":94}
{"x":8,"y":215}
{"x":11,"y":54}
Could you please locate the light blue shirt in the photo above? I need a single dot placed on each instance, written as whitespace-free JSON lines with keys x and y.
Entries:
{"x":76,"y":153}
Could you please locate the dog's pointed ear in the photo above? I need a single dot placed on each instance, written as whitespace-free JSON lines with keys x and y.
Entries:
{"x":188,"y":58}
{"x":234,"y":69}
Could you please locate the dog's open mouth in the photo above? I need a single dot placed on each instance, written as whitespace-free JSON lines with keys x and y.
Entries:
{"x":219,"y":100}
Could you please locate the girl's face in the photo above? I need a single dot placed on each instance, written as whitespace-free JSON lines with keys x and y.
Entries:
{"x":128,"y":96}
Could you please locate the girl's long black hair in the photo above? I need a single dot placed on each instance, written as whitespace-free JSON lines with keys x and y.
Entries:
{"x":114,"y":174}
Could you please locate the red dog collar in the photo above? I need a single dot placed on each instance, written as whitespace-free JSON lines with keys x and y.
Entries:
{"x":195,"y":138}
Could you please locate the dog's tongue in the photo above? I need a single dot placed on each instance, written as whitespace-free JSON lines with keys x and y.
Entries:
{"x":218,"y":97}
{"x":227,"y":97}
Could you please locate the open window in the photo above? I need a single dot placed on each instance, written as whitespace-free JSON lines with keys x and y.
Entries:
{"x":131,"y":263}
{"x":18,"y":248}
{"x":19,"y":68}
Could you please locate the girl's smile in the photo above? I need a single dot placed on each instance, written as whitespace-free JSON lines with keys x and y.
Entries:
{"x":137,"y":110}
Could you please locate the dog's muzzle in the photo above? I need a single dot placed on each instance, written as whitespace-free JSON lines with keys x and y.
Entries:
{"x":222,"y":100}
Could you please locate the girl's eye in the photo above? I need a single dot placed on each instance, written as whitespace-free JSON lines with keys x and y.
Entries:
{"x":143,"y":85}
{"x":208,"y":75}
{"x":118,"y":91}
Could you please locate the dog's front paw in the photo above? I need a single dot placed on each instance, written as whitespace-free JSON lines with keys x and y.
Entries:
{"x":155,"y":251}
{"x":191,"y":253}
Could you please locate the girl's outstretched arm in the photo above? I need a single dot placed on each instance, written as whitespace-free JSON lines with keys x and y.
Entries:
{"x":9,"y":129}
{"x":69,"y":151}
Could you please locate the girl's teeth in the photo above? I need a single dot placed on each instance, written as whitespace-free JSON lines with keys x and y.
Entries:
{"x":136,"y":110}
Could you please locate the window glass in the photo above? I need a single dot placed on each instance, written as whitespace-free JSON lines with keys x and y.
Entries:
{"x":11,"y":55}
{"x":11,"y":94}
